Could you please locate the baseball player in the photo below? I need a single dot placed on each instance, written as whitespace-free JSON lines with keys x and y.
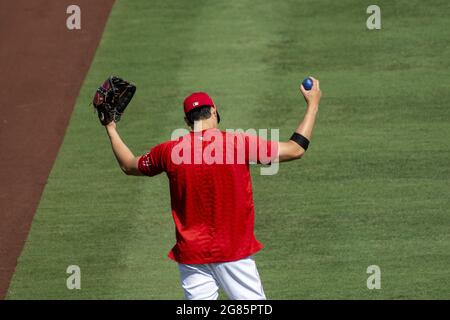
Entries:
{"x":211,"y":201}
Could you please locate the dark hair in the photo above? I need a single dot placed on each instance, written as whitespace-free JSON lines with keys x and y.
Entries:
{"x":199,"y":113}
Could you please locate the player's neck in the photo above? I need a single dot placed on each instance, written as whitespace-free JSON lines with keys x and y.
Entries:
{"x":204,"y":125}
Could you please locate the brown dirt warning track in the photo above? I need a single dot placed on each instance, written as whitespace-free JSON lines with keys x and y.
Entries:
{"x":42,"y":66}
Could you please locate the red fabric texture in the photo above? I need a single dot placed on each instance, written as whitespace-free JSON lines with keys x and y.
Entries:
{"x":211,"y":192}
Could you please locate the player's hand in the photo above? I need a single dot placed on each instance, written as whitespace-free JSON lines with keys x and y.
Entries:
{"x":111,"y":126}
{"x":312,"y":97}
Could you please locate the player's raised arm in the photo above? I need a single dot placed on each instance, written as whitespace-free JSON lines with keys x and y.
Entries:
{"x":297,"y":145}
{"x":110,"y":101}
{"x":126,"y":159}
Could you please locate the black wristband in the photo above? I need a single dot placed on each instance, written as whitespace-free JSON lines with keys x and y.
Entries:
{"x":300,"y":140}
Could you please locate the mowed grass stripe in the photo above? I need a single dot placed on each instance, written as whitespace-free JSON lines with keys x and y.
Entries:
{"x":224,"y":56}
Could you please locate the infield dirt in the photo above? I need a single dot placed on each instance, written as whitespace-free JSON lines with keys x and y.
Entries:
{"x":43,"y":66}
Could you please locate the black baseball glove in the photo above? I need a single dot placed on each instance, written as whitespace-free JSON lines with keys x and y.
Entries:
{"x":112,"y":98}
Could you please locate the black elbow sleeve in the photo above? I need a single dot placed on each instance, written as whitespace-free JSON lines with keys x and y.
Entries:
{"x":300,"y":140}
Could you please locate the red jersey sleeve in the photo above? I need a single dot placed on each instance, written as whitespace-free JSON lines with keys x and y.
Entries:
{"x":153,"y":162}
{"x":259,"y":150}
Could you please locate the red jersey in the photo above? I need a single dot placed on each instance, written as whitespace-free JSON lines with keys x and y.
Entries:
{"x":211,"y":192}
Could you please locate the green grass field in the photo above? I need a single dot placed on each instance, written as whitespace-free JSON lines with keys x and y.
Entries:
{"x":374,"y":187}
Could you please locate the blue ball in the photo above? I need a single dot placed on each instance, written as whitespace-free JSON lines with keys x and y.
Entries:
{"x":307,"y":83}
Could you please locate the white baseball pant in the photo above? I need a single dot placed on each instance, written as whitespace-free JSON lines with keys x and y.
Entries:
{"x":238,"y":279}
